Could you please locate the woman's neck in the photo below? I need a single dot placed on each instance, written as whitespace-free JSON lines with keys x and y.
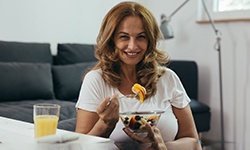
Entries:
{"x":128,"y":74}
{"x":128,"y":79}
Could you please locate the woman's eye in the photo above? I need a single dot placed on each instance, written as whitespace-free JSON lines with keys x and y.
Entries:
{"x":141,"y":37}
{"x":124,"y":37}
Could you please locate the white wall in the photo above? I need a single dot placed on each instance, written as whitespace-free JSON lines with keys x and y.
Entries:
{"x":57,"y":21}
{"x":52,"y":21}
{"x":195,"y":41}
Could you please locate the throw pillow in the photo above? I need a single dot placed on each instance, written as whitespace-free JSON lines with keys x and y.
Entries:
{"x":25,"y":52}
{"x":67,"y":79}
{"x":74,"y":53}
{"x":25,"y":81}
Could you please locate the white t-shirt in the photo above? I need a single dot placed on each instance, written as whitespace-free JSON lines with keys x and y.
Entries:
{"x":170,"y":92}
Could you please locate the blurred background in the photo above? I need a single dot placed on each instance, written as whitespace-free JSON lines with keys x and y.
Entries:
{"x":78,"y":21}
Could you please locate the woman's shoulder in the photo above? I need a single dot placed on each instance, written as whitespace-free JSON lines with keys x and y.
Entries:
{"x":169,"y":76}
{"x":168,"y":72}
{"x":94,"y":74}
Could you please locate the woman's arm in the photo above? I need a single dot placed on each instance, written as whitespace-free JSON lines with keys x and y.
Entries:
{"x":100,"y":123}
{"x":184,"y":144}
{"x":187,"y":136}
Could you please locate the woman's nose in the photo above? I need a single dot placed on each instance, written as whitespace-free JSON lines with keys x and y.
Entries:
{"x":132,"y":45}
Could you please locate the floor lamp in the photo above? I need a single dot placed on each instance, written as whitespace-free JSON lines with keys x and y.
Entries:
{"x":167,"y":32}
{"x":165,"y":27}
{"x":217,"y":47}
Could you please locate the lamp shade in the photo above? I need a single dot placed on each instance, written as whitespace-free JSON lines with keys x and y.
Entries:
{"x":166,"y":28}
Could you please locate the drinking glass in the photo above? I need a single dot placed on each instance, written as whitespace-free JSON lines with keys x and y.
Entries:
{"x":46,"y":118}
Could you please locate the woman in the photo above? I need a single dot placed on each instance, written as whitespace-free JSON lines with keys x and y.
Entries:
{"x":127,"y":54}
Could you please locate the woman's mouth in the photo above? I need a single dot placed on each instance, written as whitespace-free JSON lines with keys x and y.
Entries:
{"x":132,"y":54}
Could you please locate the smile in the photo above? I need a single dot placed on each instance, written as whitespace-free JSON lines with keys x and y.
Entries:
{"x":131,"y":54}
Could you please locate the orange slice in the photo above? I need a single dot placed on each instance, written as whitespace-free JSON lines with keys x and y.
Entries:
{"x":140,"y":90}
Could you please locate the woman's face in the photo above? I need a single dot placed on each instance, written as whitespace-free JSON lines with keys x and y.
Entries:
{"x":130,"y":40}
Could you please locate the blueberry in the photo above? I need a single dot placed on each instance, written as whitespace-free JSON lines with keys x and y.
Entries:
{"x":137,"y":126}
{"x":138,"y":117}
{"x":125,"y":121}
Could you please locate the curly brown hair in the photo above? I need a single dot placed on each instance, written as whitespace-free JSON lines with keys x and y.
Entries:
{"x":150,"y":68}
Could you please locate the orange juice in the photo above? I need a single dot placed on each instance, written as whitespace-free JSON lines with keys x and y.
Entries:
{"x":45,"y":125}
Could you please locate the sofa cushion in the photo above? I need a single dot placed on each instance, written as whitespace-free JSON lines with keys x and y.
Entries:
{"x":23,"y":81}
{"x":68,"y":124}
{"x":25,"y":52}
{"x":198,"y":107}
{"x":74,"y":53}
{"x":67,"y":79}
{"x":23,"y":110}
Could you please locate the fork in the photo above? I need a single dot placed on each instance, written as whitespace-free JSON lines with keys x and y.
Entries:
{"x":129,"y":96}
{"x":124,"y":96}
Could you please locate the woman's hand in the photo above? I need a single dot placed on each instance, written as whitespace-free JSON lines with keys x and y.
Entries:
{"x":108,"y":111}
{"x":153,"y":136}
{"x":101,"y":123}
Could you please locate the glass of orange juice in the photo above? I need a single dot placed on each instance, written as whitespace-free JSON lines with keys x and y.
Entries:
{"x":46,"y":118}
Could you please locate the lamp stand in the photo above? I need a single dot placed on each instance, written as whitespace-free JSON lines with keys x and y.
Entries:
{"x":217,"y":47}
{"x":177,"y":9}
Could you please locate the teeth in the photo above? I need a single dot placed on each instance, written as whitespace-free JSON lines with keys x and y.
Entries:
{"x":132,"y":54}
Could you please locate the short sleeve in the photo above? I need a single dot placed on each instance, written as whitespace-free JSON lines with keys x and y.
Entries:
{"x":91,"y":92}
{"x":180,"y":98}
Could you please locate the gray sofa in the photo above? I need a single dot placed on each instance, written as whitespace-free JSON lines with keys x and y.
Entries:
{"x":30,"y":74}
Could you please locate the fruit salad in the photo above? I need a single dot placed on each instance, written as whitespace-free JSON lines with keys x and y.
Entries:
{"x":137,"y":121}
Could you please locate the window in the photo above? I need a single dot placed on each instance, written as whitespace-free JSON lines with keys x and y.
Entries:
{"x":224,"y":10}
{"x":232,"y":5}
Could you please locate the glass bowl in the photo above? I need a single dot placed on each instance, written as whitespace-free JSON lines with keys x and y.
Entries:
{"x":136,"y":121}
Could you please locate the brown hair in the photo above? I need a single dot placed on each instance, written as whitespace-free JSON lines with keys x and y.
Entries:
{"x":149,"y":69}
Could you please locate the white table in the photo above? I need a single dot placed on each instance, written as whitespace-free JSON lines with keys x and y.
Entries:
{"x":16,"y":135}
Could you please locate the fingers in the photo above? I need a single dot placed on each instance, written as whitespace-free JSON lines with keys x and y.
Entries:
{"x":150,"y":130}
{"x":154,"y":134}
{"x":108,"y":110}
{"x":103,"y":105}
{"x":107,"y":103}
{"x":154,"y":137}
{"x":112,"y":105}
{"x":132,"y":135}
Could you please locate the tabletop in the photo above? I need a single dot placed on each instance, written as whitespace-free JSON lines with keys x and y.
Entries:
{"x":15,"y":134}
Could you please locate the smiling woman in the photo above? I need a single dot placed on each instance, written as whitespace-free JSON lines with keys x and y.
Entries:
{"x":127,"y":54}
